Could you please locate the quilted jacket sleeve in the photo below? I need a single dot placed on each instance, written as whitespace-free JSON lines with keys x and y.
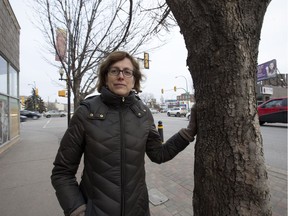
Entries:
{"x":158,"y":152}
{"x":67,"y":162}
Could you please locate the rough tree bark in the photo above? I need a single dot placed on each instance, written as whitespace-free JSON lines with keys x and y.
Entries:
{"x":222,"y":38}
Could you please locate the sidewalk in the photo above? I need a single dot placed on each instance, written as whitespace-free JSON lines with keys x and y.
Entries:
{"x":25,"y":186}
{"x":175,"y":180}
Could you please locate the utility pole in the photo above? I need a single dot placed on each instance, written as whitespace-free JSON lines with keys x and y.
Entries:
{"x":68,"y":79}
{"x":187,"y":92}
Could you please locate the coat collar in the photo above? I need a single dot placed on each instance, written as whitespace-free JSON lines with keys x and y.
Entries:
{"x":98,"y":105}
{"x":110,"y":98}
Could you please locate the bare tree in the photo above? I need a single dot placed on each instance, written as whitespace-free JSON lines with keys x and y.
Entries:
{"x":147,"y":98}
{"x":222,"y":39}
{"x":94,"y":29}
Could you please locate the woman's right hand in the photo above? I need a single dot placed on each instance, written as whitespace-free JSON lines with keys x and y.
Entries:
{"x":191,"y":130}
{"x":80,"y":211}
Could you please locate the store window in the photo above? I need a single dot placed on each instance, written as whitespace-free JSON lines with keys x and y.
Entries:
{"x":14,"y":118}
{"x":4,"y":135}
{"x":3,"y":75}
{"x":13,"y":80}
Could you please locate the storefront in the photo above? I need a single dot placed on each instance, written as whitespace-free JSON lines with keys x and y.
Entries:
{"x":9,"y":76}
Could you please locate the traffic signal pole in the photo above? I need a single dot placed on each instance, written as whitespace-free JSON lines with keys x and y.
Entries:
{"x":69,"y":103}
{"x":186,"y":90}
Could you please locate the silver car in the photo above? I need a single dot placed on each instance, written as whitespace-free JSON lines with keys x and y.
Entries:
{"x":55,"y":113}
{"x":177,"y":111}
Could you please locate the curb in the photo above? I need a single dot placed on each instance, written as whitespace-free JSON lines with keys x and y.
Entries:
{"x":279,"y":173}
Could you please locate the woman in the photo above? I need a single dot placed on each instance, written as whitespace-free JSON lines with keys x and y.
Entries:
{"x":113,"y":131}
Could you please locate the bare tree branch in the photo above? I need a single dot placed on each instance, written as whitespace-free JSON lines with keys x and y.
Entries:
{"x":96,"y":28}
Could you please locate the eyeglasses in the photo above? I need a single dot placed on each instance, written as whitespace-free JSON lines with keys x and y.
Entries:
{"x":116,"y":71}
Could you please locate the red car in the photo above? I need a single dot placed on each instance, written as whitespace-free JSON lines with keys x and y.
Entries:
{"x":273,"y":111}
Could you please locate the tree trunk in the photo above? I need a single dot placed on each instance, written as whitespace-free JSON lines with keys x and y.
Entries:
{"x":222,"y":39}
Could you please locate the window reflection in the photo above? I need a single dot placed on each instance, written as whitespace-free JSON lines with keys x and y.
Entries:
{"x":3,"y":119}
{"x":13,"y":82}
{"x":14,"y":118}
{"x":3,"y":75}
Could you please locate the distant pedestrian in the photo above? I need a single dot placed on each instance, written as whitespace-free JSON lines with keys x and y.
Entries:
{"x":113,"y":131}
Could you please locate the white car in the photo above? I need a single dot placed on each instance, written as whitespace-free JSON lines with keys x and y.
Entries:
{"x":177,"y":111}
{"x":55,"y":113}
{"x":188,"y":115}
{"x":154,"y":111}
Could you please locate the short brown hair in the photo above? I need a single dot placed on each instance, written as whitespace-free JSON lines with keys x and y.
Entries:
{"x":111,"y":59}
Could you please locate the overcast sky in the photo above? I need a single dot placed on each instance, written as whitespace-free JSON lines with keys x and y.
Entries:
{"x":166,"y":63}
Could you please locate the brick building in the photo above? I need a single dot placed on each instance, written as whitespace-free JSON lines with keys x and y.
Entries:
{"x":9,"y":76}
{"x":272,"y":88}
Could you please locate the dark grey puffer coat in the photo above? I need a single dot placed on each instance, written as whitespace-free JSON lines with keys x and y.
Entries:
{"x":113,"y":133}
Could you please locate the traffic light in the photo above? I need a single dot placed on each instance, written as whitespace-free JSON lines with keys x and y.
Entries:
{"x":62,"y":93}
{"x":162,"y":91}
{"x":175,"y":89}
{"x":146,"y":60}
{"x":22,"y":100}
{"x":36,"y":91}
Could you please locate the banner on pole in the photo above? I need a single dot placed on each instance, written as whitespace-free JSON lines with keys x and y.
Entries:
{"x":61,"y":44}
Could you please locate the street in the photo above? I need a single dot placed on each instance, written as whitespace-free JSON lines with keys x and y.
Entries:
{"x":275,"y":145}
{"x":274,"y":138}
{"x":274,"y":135}
{"x":26,"y":168}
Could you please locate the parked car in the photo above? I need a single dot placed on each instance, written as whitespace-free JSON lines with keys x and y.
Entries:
{"x":55,"y":113}
{"x":164,"y":110}
{"x":23,"y":118}
{"x":154,"y":111}
{"x":177,"y":111}
{"x":30,"y":114}
{"x":188,"y":115}
{"x":273,"y":111}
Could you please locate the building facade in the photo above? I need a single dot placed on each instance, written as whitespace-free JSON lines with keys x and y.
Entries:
{"x":186,"y":100}
{"x":9,"y":76}
{"x":272,"y":88}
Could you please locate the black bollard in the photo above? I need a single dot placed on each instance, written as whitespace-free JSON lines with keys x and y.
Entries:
{"x":160,"y":130}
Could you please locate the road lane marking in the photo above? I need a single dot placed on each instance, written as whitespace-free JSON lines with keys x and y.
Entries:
{"x":47,"y":123}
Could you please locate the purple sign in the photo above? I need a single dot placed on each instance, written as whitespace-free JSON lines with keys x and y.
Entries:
{"x":266,"y":70}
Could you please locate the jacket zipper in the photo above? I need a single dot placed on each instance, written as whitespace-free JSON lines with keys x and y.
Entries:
{"x":122,"y":161}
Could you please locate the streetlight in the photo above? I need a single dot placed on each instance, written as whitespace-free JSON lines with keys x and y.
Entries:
{"x":61,"y":72}
{"x":187,"y":93}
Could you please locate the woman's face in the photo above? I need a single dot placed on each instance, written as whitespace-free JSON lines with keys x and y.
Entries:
{"x":271,"y":65}
{"x":120,"y":84}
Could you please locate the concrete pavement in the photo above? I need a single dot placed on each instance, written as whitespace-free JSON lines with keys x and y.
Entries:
{"x":25,"y":186}
{"x":175,"y":180}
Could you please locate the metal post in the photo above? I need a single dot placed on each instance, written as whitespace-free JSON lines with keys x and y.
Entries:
{"x":68,"y":101}
{"x":69,"y":72}
{"x":187,"y":93}
{"x":160,"y":130}
{"x":68,"y":79}
{"x":61,"y":72}
{"x":34,"y":99}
